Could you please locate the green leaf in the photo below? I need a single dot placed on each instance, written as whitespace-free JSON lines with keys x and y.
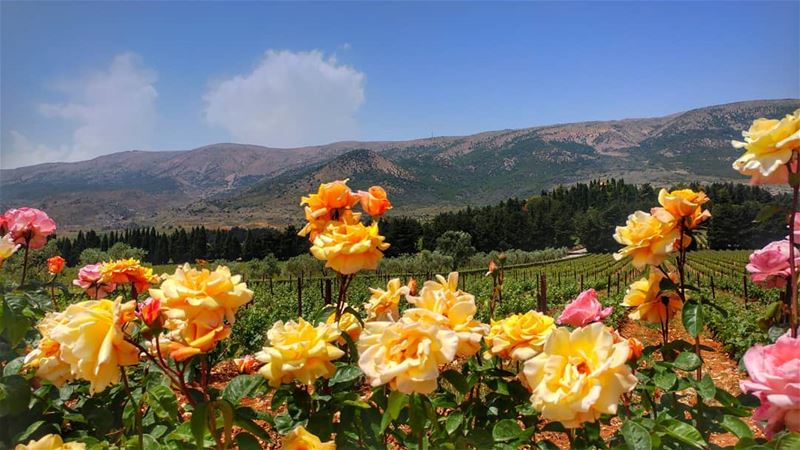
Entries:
{"x":682,"y":432}
{"x":227,"y":417}
{"x":344,"y":373}
{"x":692,"y":316}
{"x":506,"y":430}
{"x":397,"y":401}
{"x":198,"y":424}
{"x":789,"y":441}
{"x":457,"y":380}
{"x":15,"y":394}
{"x":667,"y":285}
{"x":665,"y":380}
{"x":454,"y":420}
{"x":636,"y":436}
{"x":241,"y":387}
{"x":243,"y":418}
{"x":706,"y":388}
{"x":736,"y":426}
{"x":246,"y":441}
{"x":687,"y":361}
{"x":163,"y":401}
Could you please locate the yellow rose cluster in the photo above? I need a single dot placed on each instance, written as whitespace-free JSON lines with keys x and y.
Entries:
{"x":336,"y":232}
{"x":649,"y":239}
{"x":769,"y":146}
{"x":51,"y":442}
{"x":85,"y":341}
{"x":299,"y":351}
{"x":200,"y":306}
{"x":128,"y":271}
{"x":579,"y":375}
{"x":301,"y":439}
{"x":406,"y":353}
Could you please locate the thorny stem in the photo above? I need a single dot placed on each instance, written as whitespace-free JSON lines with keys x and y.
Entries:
{"x":682,"y":291}
{"x":53,"y":292}
{"x":344,"y":283}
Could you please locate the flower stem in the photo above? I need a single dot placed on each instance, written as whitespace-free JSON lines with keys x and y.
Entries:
{"x":792,"y":267}
{"x":24,"y":265}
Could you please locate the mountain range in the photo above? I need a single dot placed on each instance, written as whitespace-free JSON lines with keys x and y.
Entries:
{"x":225,"y":185}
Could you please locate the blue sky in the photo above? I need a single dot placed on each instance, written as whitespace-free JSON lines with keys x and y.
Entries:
{"x":83,"y":79}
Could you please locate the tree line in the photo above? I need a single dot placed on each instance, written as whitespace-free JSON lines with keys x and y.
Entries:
{"x":581,"y":214}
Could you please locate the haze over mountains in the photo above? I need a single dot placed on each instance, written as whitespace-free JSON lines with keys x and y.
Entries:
{"x":247,"y":185}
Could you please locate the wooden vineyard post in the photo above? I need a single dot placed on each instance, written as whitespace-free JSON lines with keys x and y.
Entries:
{"x":581,"y":282}
{"x":321,"y":288}
{"x":744,"y":283}
{"x":299,"y":297}
{"x":713,"y":292}
{"x":328,"y":290}
{"x":543,"y":294}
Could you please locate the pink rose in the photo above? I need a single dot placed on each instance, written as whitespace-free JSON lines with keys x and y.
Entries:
{"x":774,"y":372}
{"x":29,"y":226}
{"x":769,"y":267}
{"x":89,"y":280}
{"x":584,"y":310}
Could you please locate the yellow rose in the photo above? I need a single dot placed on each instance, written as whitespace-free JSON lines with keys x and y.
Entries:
{"x":647,"y":239}
{"x":683,"y":204}
{"x":405,"y":354}
{"x":189,"y":292}
{"x":768,"y":147}
{"x":300,"y":439}
{"x":579,"y":375}
{"x":7,"y":247}
{"x":92,"y":342}
{"x":452,"y":308}
{"x":128,"y":271}
{"x":299,"y":351}
{"x":198,"y":335}
{"x":650,"y":305}
{"x":348,"y":323}
{"x":385,"y":305}
{"x":519,"y":336}
{"x":50,"y":442}
{"x":349,"y":248}
{"x":46,"y":357}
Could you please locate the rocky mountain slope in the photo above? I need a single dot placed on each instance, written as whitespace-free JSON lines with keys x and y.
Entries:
{"x":248,"y":185}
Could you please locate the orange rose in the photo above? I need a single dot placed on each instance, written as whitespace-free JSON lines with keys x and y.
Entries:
{"x":374,"y":202}
{"x":55,"y":264}
{"x":325,"y":205}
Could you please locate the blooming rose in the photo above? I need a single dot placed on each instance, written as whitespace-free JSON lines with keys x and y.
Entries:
{"x":190,"y":292}
{"x":348,"y":323}
{"x":329,"y":203}
{"x":150,"y":310}
{"x":768,"y":147}
{"x":7,"y":247}
{"x":46,"y":357}
{"x":579,"y":375}
{"x":774,"y":372}
{"x":349,"y":248}
{"x":636,"y":348}
{"x":651,"y":304}
{"x":647,"y":239}
{"x":405,"y":354}
{"x":385,"y":305}
{"x":55,"y":264}
{"x":583,"y":310}
{"x":452,"y":308}
{"x":128,"y":271}
{"x":92,"y":342}
{"x":300,"y":439}
{"x":299,"y":351}
{"x":519,"y":336}
{"x":201,"y":334}
{"x":50,"y":442}
{"x":29,"y":226}
{"x":90,"y":280}
{"x":374,"y":202}
{"x":769,"y":267}
{"x":684,"y":204}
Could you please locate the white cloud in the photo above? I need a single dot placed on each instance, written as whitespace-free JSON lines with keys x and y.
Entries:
{"x":112,"y":109}
{"x":289,"y":99}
